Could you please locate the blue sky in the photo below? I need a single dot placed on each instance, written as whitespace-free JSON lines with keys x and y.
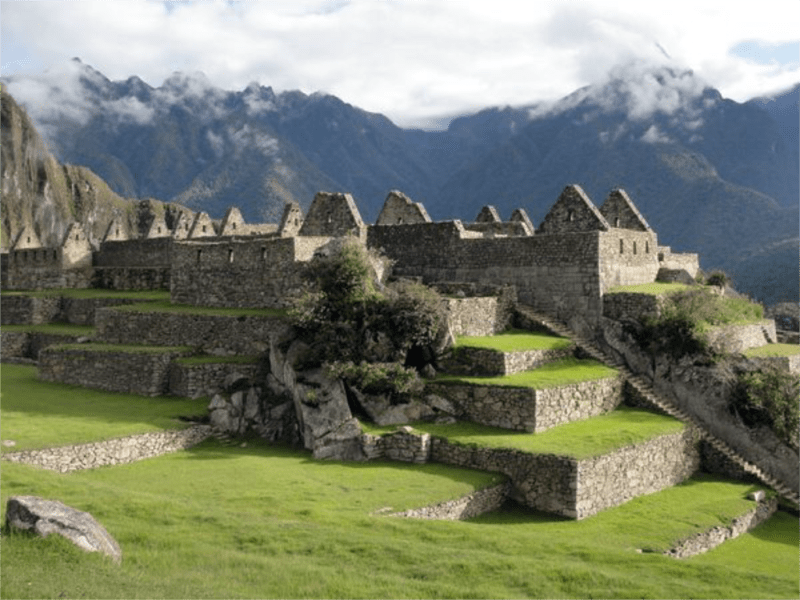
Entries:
{"x":413,"y":60}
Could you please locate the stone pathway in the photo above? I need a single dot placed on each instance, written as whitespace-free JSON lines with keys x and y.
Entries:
{"x":119,"y":451}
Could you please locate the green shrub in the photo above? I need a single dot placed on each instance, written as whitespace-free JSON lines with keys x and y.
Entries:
{"x":718,"y":278}
{"x":685,"y":316}
{"x":769,"y":396}
{"x":391,"y":379}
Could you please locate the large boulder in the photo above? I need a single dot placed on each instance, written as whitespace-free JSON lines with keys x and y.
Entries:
{"x":31,"y":513}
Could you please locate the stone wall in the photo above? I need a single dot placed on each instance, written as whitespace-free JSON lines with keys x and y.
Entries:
{"x":28,"y":310}
{"x":28,"y":344}
{"x":679,"y":262}
{"x":627,"y":257}
{"x":478,"y":315}
{"x":558,"y":274}
{"x":241,"y":272}
{"x":629,"y":305}
{"x":118,"y":451}
{"x":196,"y":380}
{"x":132,"y":278}
{"x":484,"y":361}
{"x":333,"y":215}
{"x":31,"y":310}
{"x":787,"y":363}
{"x":467,"y":507}
{"x":738,"y":338}
{"x":526,"y":409}
{"x":501,"y":229}
{"x":647,"y":467}
{"x":707,"y":540}
{"x":142,"y":373}
{"x":210,"y":334}
{"x":154,"y":252}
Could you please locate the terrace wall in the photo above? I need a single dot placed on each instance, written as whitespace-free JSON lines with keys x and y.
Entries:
{"x":196,"y":380}
{"x":145,"y":374}
{"x":132,"y":278}
{"x":485,"y":361}
{"x":211,"y":334}
{"x":526,"y":409}
{"x":738,"y":338}
{"x":28,"y":344}
{"x":28,"y":310}
{"x":629,"y":305}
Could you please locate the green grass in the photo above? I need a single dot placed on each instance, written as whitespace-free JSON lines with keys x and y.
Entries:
{"x":514,"y":341}
{"x":168,"y":307}
{"x":773,"y":350}
{"x":580,"y":439}
{"x":213,"y":360}
{"x":562,"y":372}
{"x":129,"y":348}
{"x":38,"y":414}
{"x":655,"y":289}
{"x":142,"y":295}
{"x":53,"y":329}
{"x":268,"y":522}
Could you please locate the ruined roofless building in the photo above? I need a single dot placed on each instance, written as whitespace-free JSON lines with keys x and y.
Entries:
{"x":563,"y":268}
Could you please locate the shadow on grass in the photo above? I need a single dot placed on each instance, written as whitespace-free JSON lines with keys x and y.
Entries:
{"x":775,"y":530}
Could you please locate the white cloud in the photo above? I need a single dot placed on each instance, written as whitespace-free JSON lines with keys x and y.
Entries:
{"x":414,"y":60}
{"x":654,"y":136}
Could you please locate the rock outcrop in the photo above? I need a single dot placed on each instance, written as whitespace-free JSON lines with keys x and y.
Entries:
{"x":43,"y":517}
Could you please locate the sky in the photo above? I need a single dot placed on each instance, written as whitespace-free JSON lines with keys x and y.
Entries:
{"x":419,"y":62}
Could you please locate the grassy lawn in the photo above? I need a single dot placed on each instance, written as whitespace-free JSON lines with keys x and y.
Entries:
{"x":265,"y":521}
{"x":554,"y":374}
{"x":38,"y":414}
{"x":580,"y":439}
{"x":53,"y":329}
{"x":514,"y":341}
{"x":655,"y":289}
{"x":143,"y":295}
{"x":773,"y":350}
{"x":186,"y":309}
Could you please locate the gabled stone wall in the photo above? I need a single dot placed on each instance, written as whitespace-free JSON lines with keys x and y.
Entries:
{"x":627,"y":257}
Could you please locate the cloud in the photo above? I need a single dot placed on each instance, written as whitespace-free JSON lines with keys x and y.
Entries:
{"x":654,"y":136}
{"x":414,"y":60}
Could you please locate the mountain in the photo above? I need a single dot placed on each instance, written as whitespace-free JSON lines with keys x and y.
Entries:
{"x":39,"y":191}
{"x":711,"y":175}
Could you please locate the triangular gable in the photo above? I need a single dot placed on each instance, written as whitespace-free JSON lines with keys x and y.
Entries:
{"x":520,"y":215}
{"x":573,"y":212}
{"x":116,"y":232}
{"x":75,"y":237}
{"x":233,"y":222}
{"x":399,"y":209}
{"x":488,"y":214}
{"x":332,"y":215}
{"x":182,"y":227}
{"x":158,"y":229}
{"x":202,"y":227}
{"x":26,"y":239}
{"x":291,"y":221}
{"x":620,"y":211}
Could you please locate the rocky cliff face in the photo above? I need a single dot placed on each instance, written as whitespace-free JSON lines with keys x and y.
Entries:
{"x":39,"y":191}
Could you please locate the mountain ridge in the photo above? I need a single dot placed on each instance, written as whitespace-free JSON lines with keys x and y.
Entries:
{"x":676,"y":145}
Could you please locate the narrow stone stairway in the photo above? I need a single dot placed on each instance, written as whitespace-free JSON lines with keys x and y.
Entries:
{"x":641,"y":385}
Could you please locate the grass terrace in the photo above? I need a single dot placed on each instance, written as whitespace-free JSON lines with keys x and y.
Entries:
{"x":165,"y":306}
{"x":92,"y":293}
{"x":654,"y":289}
{"x":580,"y":439}
{"x":128,"y":348}
{"x":53,"y":329}
{"x":264,"y":521}
{"x":770,"y":350}
{"x":562,"y":372}
{"x":40,"y":414}
{"x":514,"y":340}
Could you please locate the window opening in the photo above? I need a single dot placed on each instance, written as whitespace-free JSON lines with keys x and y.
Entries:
{"x":621,"y":247}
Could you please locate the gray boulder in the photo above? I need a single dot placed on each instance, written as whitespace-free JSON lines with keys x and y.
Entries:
{"x":31,"y":513}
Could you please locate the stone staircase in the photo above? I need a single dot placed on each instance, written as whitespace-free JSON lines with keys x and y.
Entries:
{"x":643,"y":387}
